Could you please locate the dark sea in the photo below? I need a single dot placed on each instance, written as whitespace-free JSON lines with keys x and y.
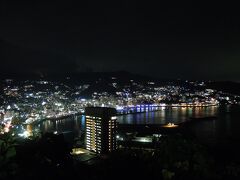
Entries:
{"x":222,"y":130}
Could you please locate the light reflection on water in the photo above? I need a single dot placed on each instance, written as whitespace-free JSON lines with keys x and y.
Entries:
{"x":222,"y":133}
{"x":169,"y":115}
{"x":222,"y":130}
{"x":162,"y":116}
{"x":225,"y":128}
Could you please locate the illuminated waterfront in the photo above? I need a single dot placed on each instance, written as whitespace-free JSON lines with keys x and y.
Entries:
{"x":168,"y":115}
{"x":162,"y":116}
{"x":223,"y":128}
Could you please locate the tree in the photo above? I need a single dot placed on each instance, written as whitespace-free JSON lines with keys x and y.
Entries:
{"x":7,"y":155}
{"x":15,"y":121}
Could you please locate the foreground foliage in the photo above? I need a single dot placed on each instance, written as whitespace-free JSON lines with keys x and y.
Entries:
{"x":48,"y":157}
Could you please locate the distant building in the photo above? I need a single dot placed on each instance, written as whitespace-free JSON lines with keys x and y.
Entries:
{"x":100,"y":129}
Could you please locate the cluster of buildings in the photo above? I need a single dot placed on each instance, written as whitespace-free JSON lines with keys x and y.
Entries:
{"x":103,"y":136}
{"x":34,"y":100}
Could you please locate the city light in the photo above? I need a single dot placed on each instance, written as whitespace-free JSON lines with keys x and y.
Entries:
{"x":170,"y":125}
{"x":25,"y":134}
{"x":57,"y":100}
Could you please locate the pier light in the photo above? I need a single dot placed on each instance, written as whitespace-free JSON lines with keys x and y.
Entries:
{"x":170,"y":125}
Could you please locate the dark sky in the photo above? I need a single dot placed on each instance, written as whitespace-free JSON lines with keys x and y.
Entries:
{"x":165,"y":40}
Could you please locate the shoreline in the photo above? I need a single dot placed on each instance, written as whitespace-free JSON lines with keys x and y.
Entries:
{"x":119,"y":114}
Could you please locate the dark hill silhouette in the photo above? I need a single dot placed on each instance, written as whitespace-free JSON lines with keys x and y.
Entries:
{"x":225,"y":86}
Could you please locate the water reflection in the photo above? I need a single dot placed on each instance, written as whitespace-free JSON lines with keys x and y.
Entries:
{"x":162,"y":116}
{"x":226,"y":125}
{"x":168,"y":115}
{"x":223,"y":130}
{"x":75,"y":124}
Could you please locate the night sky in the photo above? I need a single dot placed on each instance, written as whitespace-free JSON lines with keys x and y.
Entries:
{"x":165,"y":40}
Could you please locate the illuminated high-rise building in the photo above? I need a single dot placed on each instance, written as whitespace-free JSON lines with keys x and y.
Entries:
{"x":100,"y":129}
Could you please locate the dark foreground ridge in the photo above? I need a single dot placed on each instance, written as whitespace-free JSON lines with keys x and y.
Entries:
{"x":174,"y":157}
